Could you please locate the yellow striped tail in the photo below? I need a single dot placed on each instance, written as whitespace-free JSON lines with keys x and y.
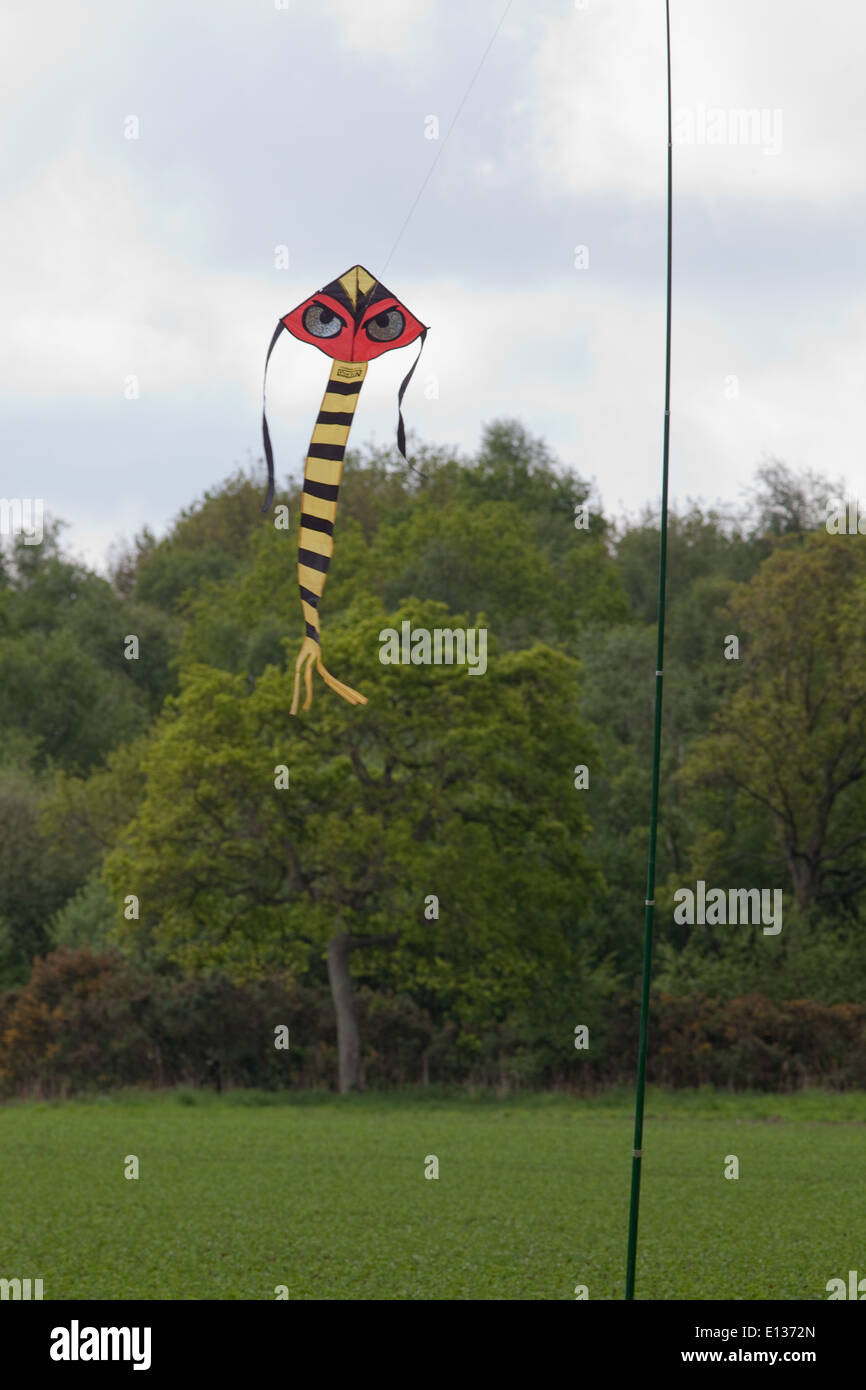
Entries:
{"x":322,"y":473}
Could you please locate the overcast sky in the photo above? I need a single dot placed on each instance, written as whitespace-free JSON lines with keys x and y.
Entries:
{"x":306,"y":126}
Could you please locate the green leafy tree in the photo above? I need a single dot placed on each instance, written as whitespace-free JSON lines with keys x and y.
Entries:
{"x":67,"y":685}
{"x":783,"y":502}
{"x":496,"y":532}
{"x":37,"y":875}
{"x":791,"y":738}
{"x":445,"y":785}
{"x":208,"y":541}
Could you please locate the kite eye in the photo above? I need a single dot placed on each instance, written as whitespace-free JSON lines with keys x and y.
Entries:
{"x":383,"y":328}
{"x":322,"y":322}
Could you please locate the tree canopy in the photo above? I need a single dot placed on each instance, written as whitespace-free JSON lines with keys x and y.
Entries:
{"x":472,"y":844}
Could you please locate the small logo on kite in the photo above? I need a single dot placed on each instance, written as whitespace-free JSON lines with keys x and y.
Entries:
{"x":349,"y":371}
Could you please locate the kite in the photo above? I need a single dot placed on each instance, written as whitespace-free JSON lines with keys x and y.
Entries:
{"x":353,"y":319}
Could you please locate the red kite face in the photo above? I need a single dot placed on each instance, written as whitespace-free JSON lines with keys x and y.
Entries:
{"x":354,"y":319}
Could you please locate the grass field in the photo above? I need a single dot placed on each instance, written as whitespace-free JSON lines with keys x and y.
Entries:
{"x":240,"y":1193}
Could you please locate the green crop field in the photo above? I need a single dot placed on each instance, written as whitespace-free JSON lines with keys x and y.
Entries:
{"x":241,"y":1193}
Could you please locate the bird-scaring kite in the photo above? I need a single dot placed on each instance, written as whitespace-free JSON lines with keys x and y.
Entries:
{"x":352,"y":320}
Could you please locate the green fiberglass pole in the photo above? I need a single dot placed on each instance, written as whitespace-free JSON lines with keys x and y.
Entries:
{"x":657,"y":739}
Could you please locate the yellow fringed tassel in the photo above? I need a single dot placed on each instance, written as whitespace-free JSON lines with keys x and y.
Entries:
{"x":308,"y":655}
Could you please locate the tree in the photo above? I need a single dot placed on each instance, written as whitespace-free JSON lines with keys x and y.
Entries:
{"x":36,"y":874}
{"x":440,"y":534}
{"x":208,"y":540}
{"x":785,"y":503}
{"x":445,"y":786}
{"x":791,"y":738}
{"x":67,"y":684}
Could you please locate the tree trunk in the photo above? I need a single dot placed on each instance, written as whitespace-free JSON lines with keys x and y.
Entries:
{"x":346,"y":1009}
{"x":805,"y":878}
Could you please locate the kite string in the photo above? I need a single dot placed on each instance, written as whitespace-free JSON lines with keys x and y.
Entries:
{"x":441,"y":149}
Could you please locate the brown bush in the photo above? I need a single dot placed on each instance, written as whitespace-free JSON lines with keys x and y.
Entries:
{"x":86,"y":1021}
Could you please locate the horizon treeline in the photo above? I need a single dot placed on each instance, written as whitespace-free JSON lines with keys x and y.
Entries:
{"x":449,"y":880}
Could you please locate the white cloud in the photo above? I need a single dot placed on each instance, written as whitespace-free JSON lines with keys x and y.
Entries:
{"x":37,"y":39}
{"x":601,"y":102}
{"x":381,"y":27}
{"x":596,"y":394}
{"x":88,"y":300}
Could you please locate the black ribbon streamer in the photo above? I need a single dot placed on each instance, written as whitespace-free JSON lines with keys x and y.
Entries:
{"x":266,"y":437}
{"x":401,"y":429}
